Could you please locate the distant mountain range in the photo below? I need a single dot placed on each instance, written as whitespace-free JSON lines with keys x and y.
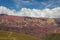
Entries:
{"x":3,"y":14}
{"x":38,"y":27}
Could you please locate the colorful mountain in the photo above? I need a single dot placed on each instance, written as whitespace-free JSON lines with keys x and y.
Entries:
{"x":38,"y":27}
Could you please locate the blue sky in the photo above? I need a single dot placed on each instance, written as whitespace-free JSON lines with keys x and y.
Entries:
{"x":31,"y":8}
{"x":37,"y":4}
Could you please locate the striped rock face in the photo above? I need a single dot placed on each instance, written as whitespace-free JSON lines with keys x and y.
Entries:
{"x":28,"y":25}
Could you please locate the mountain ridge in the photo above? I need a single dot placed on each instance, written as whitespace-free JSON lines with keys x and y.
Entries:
{"x":38,"y":27}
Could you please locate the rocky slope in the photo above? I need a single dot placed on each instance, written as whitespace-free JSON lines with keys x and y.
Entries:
{"x":38,"y":27}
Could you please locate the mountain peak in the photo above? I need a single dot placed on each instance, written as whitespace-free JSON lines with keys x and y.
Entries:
{"x":3,"y":14}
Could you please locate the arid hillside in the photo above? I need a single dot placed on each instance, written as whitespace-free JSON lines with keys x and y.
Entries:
{"x":38,"y":27}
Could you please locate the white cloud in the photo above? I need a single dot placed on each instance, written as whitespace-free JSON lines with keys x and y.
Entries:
{"x":6,"y":11}
{"x":49,"y":13}
{"x":19,"y":3}
{"x":51,"y":3}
